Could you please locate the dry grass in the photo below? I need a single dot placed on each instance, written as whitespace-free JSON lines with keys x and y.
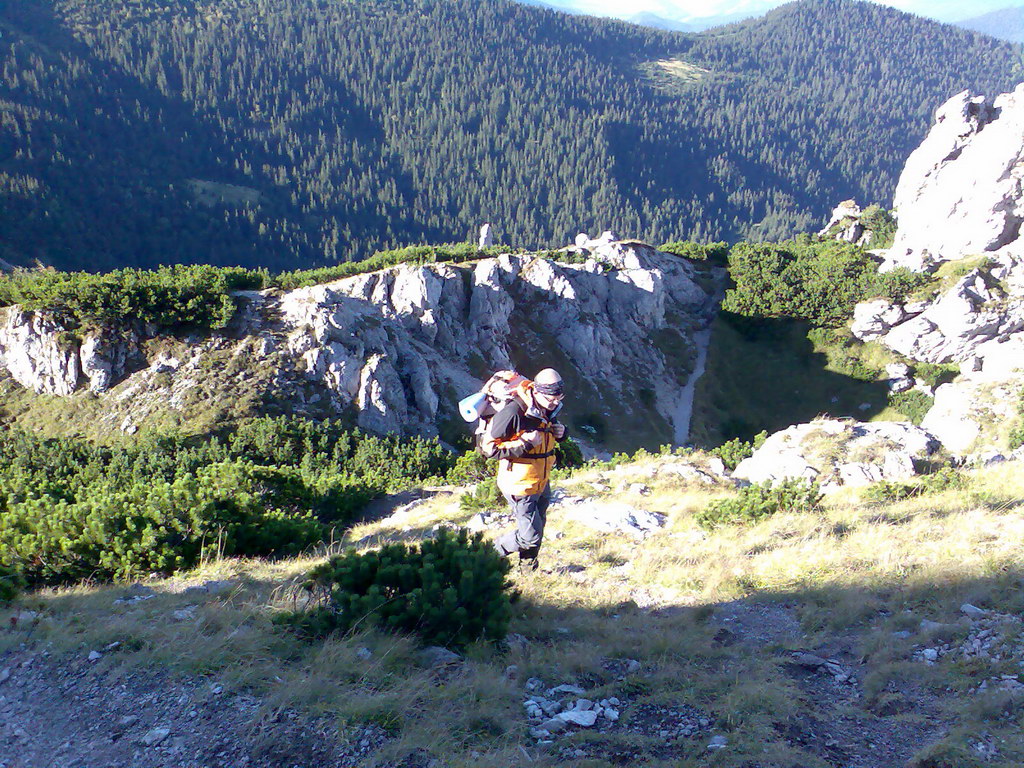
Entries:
{"x":850,"y":575}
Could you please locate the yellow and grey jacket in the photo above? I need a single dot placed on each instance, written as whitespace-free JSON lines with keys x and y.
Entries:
{"x":522,"y":471}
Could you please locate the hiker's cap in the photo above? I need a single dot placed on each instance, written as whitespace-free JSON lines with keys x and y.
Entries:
{"x":548,"y":383}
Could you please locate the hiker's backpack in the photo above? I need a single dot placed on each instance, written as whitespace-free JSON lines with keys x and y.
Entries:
{"x":480,"y":407}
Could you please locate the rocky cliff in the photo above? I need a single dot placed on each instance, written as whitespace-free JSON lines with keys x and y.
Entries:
{"x":396,"y":348}
{"x":960,"y":205}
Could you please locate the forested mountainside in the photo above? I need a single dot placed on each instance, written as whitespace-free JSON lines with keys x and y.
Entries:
{"x":1006,"y":24}
{"x":294,"y":133}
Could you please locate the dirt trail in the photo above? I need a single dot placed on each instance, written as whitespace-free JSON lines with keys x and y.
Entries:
{"x":82,"y":713}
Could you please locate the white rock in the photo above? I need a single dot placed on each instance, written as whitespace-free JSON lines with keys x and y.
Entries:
{"x":839,"y":453}
{"x":872,"y":319}
{"x":585,"y":719}
{"x":436,"y":656}
{"x":718,"y":742}
{"x":972,"y":611}
{"x":616,"y":516}
{"x":960,"y":192}
{"x":967,"y":412}
{"x":573,"y":690}
{"x":35,"y":353}
{"x":155,"y":736}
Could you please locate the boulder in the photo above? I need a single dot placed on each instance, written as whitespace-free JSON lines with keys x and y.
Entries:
{"x":613,"y":516}
{"x":971,"y":413}
{"x":845,"y":226}
{"x":961,"y":192}
{"x":875,"y":318}
{"x":951,"y":329}
{"x":839,"y":453}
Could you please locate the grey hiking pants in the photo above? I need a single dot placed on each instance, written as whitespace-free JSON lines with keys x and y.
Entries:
{"x":531,"y":513}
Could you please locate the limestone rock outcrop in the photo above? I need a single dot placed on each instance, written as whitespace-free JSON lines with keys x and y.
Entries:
{"x":394,"y":342}
{"x":838,"y":453}
{"x":399,"y":346}
{"x":961,"y":192}
{"x":35,"y":351}
{"x":845,"y":225}
{"x":960,"y":324}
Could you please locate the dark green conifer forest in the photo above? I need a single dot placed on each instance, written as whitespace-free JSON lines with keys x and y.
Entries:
{"x":290,"y":134}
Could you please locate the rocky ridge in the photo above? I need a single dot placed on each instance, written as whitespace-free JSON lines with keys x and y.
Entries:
{"x":400,"y":345}
{"x":960,"y":199}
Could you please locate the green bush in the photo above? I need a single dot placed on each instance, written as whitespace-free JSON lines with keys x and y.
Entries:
{"x":732,"y":452}
{"x":413,"y":254}
{"x":1017,"y":433}
{"x":71,"y":510}
{"x":10,"y":583}
{"x":568,"y":454}
{"x":167,"y":297}
{"x":450,"y":590}
{"x":819,"y":282}
{"x":199,"y":297}
{"x":914,"y":404}
{"x":935,"y":374}
{"x":717,"y":253}
{"x":761,"y":500}
{"x":484,"y":498}
{"x":889,"y":491}
{"x":471,"y":468}
{"x":882,"y":225}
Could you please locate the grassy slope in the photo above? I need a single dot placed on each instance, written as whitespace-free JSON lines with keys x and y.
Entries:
{"x":704,"y":613}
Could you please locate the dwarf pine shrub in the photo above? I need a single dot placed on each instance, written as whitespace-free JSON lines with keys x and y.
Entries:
{"x":10,"y":583}
{"x":484,"y":498}
{"x":761,"y":500}
{"x":70,"y":509}
{"x":450,"y":590}
{"x":888,"y":491}
{"x":732,"y":452}
{"x":914,"y":404}
{"x":1017,"y":434}
{"x":820,"y":282}
{"x":716,"y":253}
{"x":189,"y":296}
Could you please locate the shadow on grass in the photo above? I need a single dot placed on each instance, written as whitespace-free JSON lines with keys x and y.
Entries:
{"x":830,"y":676}
{"x":764,"y":374}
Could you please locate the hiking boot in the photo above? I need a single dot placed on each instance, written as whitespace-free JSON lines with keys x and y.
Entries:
{"x":528,"y":565}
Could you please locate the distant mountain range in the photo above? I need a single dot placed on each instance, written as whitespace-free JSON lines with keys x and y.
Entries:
{"x":653,"y":20}
{"x":1007,"y":24}
{"x":298,"y":133}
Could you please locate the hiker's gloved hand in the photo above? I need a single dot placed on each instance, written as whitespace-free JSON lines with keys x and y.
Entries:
{"x":531,"y":439}
{"x":558,"y":431}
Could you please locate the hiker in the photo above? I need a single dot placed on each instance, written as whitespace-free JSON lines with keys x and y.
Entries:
{"x":524,"y":434}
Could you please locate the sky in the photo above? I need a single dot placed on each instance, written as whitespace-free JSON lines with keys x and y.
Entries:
{"x":694,"y":10}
